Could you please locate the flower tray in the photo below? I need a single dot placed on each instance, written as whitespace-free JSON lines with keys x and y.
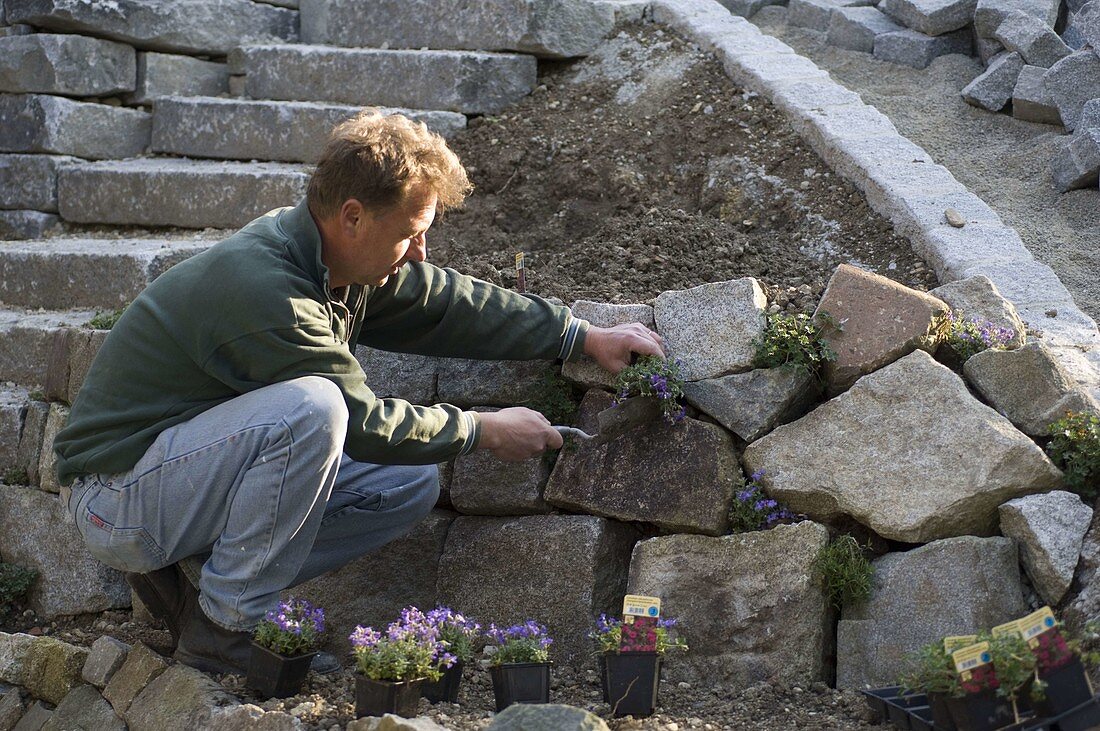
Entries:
{"x":379,"y":697}
{"x":276,"y":676}
{"x":446,"y":688}
{"x":631,"y":681}
{"x":521,"y":682}
{"x":988,"y":714}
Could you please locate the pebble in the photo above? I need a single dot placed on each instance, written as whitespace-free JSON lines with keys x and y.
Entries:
{"x":954,"y":218}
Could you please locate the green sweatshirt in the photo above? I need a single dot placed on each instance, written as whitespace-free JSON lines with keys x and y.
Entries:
{"x":256,"y":309}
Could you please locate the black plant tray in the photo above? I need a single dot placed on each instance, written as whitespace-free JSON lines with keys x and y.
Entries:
{"x":912,"y":713}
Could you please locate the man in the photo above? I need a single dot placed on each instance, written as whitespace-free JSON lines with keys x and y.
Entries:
{"x":225,"y":444}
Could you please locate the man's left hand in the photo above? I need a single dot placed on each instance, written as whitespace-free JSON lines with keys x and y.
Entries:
{"x":612,"y":347}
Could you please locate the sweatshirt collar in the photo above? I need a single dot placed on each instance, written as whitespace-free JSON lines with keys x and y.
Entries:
{"x":305,"y":242}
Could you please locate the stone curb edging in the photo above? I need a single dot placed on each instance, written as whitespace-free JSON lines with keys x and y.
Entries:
{"x":899,"y":178}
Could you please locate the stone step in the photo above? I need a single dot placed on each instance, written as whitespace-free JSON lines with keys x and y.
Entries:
{"x":197,"y":26}
{"x":65,"y":273}
{"x":29,"y":182}
{"x":54,"y":124}
{"x":26,"y":340}
{"x":240,"y":129}
{"x":177,"y":192}
{"x":24,"y":224}
{"x":49,"y":63}
{"x":545,"y":28}
{"x":457,"y":81}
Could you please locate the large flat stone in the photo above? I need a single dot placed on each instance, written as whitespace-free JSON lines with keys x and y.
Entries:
{"x":876,"y":321}
{"x":507,"y":570}
{"x":991,"y":13}
{"x":886,"y":454}
{"x":711,"y":328}
{"x":1071,"y":82}
{"x":586,"y":371}
{"x":35,"y":532}
{"x":485,"y":485}
{"x":546,"y":28}
{"x":1077,"y":162}
{"x":752,"y":404}
{"x":28,"y":337}
{"x":240,"y":129}
{"x":458,"y":81}
{"x":202,"y":26}
{"x":84,"y":708}
{"x":952,"y":587}
{"x":70,"y":65}
{"x":746,"y":603}
{"x":180,"y":698}
{"x":1028,"y":386}
{"x":992,"y":89}
{"x":1049,"y":530}
{"x":53,"y":124}
{"x":815,"y":14}
{"x":1031,"y":38}
{"x":106,"y":273}
{"x":169,"y":192}
{"x":168,"y":74}
{"x":1030,"y":100}
{"x":857,"y":28}
{"x":469,"y":383}
{"x":931,"y":17}
{"x":29,"y":182}
{"x":685,"y":486}
{"x":26,"y":225}
{"x":911,"y":48}
{"x":372,"y":590}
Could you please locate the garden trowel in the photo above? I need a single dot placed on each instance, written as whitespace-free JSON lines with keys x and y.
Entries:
{"x":617,"y":419}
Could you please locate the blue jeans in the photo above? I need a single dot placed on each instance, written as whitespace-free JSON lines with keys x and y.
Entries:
{"x":256,"y":496}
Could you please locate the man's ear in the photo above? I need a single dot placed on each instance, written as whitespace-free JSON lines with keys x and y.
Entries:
{"x":351,"y":215}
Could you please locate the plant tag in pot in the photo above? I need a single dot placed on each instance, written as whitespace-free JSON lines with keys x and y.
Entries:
{"x":975,"y":667}
{"x":1008,"y":628}
{"x":957,"y":642}
{"x":639,"y":630}
{"x":1036,"y":624}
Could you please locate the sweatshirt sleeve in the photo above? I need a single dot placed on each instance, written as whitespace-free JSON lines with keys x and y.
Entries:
{"x":432,"y":311}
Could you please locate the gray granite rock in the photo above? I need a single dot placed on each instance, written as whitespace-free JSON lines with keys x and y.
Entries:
{"x":199,"y":27}
{"x":53,"y":124}
{"x":1083,"y":603}
{"x":507,"y":570}
{"x":545,"y":28}
{"x":29,"y":454}
{"x":747,"y":8}
{"x":248,"y":717}
{"x":69,"y":65}
{"x":992,"y":89}
{"x":586,"y":371}
{"x":1030,"y":100}
{"x":29,"y":182}
{"x":485,"y":485}
{"x":373,"y":590}
{"x":35,"y":717}
{"x":105,"y":657}
{"x":47,"y":465}
{"x":11,"y":706}
{"x":736,"y":593}
{"x":1071,"y":82}
{"x":399,"y":375}
{"x":1028,"y":386}
{"x":1086,"y":21}
{"x":13,"y":405}
{"x":857,"y":28}
{"x":931,"y":17}
{"x":886,"y":454}
{"x":815,"y":14}
{"x":991,"y":13}
{"x":1031,"y":38}
{"x":140,"y":667}
{"x":27,"y":225}
{"x":84,"y":708}
{"x":35,"y":532}
{"x":711,"y":328}
{"x":752,"y":404}
{"x":167,"y":74}
{"x":950,"y":587}
{"x":546,"y":717}
{"x":15,"y":649}
{"x":911,"y":48}
{"x":457,"y":81}
{"x":979,"y":297}
{"x":468,"y":383}
{"x":178,"y":698}
{"x":390,"y":722}
{"x":1049,"y":530}
{"x":685,"y":486}
{"x":1077,"y":163}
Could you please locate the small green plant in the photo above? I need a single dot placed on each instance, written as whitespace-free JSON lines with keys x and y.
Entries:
{"x":845,"y":572}
{"x":753,"y":510}
{"x":16,"y":476}
{"x":931,"y":670}
{"x":527,"y":642}
{"x":105,"y":320}
{"x":553,"y":398}
{"x":655,"y":377}
{"x":609,"y":631}
{"x":15,"y":582}
{"x":1014,"y":663}
{"x":1075,"y":448}
{"x":968,"y":336}
{"x":37,"y":396}
{"x":293,"y":628}
{"x":795,"y":340}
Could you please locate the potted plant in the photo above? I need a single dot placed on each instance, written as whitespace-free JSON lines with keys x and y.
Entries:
{"x":932,"y":672}
{"x":630,"y":679}
{"x":520,"y":667}
{"x":392,"y":667}
{"x":283,"y":646}
{"x":993,"y":674}
{"x":457,"y":634}
{"x":1061,"y":682}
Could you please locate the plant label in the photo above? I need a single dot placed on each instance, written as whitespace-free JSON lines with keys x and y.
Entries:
{"x":1008,"y":628}
{"x":957,"y":642}
{"x":975,"y":667}
{"x":636,"y":605}
{"x":1036,"y":624}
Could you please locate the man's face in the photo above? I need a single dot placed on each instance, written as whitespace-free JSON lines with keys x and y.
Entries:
{"x":388,"y":238}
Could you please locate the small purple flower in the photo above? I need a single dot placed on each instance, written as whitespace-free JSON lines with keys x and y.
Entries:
{"x":757,"y":476}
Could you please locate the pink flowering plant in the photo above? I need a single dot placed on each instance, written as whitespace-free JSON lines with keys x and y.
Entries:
{"x":409,"y":649}
{"x":753,"y":510}
{"x":526,"y":642}
{"x":456,"y":632}
{"x":293,"y":628}
{"x":609,"y":631}
{"x":657,"y":378}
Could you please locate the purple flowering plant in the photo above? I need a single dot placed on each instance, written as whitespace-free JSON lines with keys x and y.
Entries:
{"x":657,"y":378}
{"x":526,"y":642}
{"x":754,"y":510}
{"x":609,"y":631}
{"x":456,"y":631}
{"x":409,"y":649}
{"x":292,"y":628}
{"x":968,"y":336}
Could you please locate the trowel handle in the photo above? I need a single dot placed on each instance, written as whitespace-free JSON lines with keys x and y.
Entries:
{"x":569,"y":431}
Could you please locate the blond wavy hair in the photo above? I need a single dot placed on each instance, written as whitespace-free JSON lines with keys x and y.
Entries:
{"x":376,"y":159}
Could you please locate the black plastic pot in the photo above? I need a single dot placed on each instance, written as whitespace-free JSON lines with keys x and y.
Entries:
{"x":631,"y":679}
{"x":520,"y":682}
{"x":275,"y":676}
{"x":941,"y":713}
{"x":1066,"y":688}
{"x":446,"y":688}
{"x":379,"y":697}
{"x":983,"y":711}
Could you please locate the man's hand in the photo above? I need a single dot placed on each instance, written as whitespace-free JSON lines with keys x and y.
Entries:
{"x":516,"y":434}
{"x":612,"y":347}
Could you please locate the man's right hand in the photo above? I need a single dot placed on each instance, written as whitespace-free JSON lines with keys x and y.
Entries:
{"x":517,"y":433}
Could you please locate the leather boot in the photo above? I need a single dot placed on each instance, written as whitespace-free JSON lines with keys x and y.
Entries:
{"x":212,"y":648}
{"x":167,"y":594}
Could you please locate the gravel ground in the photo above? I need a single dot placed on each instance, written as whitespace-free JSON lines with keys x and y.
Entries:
{"x":1003,"y":160}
